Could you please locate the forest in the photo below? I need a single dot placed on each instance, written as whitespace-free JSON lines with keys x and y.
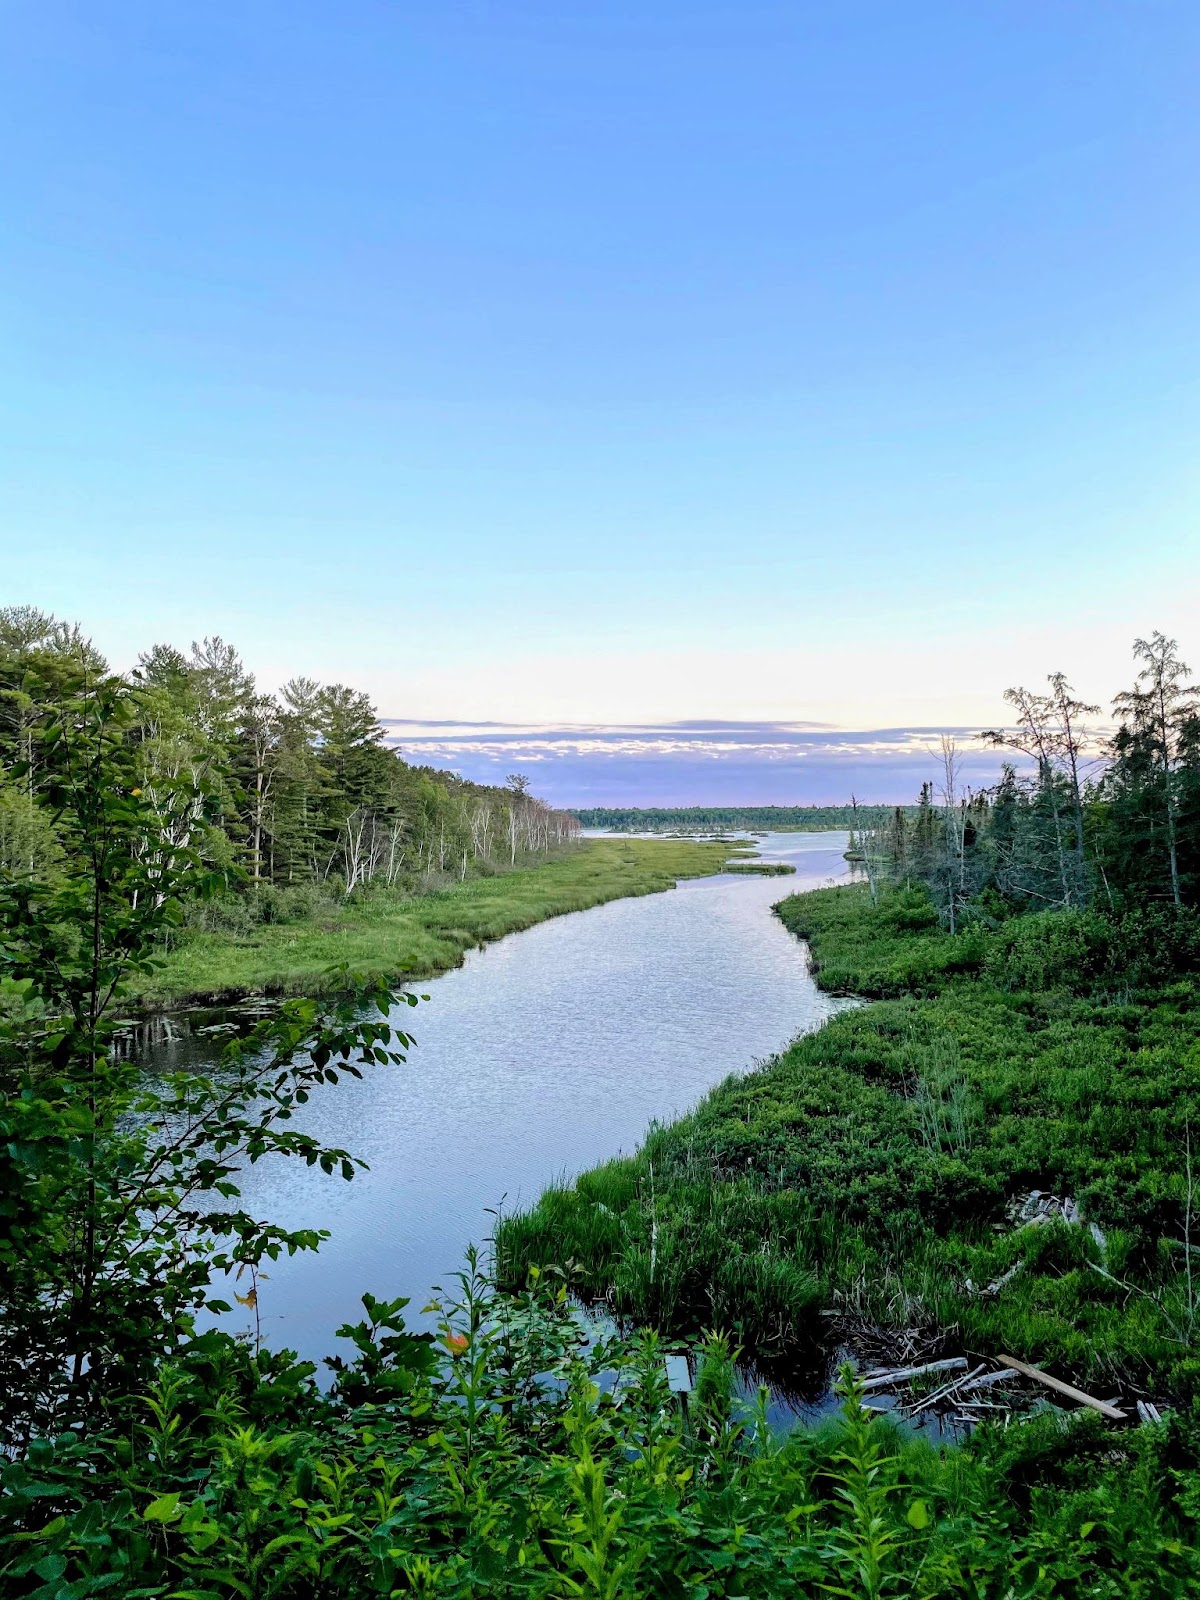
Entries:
{"x":1075,"y":822}
{"x":281,"y":794}
{"x":995,"y":1155}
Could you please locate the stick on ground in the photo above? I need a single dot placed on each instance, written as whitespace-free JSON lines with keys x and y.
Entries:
{"x":1102,"y":1406}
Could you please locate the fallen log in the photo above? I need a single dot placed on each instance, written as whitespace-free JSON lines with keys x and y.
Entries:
{"x":888,"y":1380}
{"x":1102,"y":1406}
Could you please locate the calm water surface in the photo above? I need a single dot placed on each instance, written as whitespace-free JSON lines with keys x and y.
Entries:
{"x":543,"y":1054}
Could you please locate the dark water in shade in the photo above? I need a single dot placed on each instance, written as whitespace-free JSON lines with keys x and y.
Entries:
{"x":544,"y":1054}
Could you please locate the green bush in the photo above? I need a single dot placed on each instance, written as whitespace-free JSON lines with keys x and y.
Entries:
{"x":301,"y":902}
{"x":517,"y":1458}
{"x":1153,"y":944}
{"x":227,"y":913}
{"x":1050,"y":950}
{"x":910,"y":910}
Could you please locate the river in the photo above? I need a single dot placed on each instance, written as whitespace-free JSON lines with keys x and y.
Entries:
{"x":543,"y":1054}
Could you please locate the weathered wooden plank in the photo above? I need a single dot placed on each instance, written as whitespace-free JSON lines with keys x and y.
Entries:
{"x":1069,"y":1389}
{"x":679,"y":1379}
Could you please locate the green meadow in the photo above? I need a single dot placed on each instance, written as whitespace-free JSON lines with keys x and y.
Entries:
{"x":384,"y":935}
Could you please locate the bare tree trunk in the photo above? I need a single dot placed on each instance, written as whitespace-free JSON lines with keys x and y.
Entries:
{"x":950,"y":769}
{"x":256,"y":847}
{"x":1172,"y":809}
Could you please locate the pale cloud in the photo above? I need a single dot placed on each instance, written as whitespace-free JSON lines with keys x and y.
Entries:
{"x":700,"y":761}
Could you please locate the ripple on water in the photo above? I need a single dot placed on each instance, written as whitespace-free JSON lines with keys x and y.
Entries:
{"x":545,"y":1053}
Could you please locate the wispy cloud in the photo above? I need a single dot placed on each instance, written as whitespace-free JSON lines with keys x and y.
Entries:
{"x":695,"y":762}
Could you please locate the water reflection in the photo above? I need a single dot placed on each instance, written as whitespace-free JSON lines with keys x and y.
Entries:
{"x":543,"y":1054}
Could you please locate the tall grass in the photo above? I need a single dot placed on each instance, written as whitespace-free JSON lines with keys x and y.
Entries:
{"x":871,"y":1167}
{"x":392,"y":935}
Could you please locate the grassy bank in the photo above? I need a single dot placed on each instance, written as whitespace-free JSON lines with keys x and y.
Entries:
{"x":762,"y":869}
{"x":390,"y":936}
{"x":873,"y":1168}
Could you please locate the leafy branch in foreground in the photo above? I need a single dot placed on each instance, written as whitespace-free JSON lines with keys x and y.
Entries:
{"x":233,"y":1475}
{"x":117,"y":1193}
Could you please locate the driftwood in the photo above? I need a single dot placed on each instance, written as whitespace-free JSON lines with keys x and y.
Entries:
{"x":999,"y":1283}
{"x":986,"y":1380}
{"x":1028,"y":1210}
{"x":948,"y":1391}
{"x":1102,"y":1406}
{"x":888,"y":1380}
{"x":955,"y":1399}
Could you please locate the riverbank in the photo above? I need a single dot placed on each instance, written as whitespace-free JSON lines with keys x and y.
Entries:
{"x":417,"y":936}
{"x":994,"y":1155}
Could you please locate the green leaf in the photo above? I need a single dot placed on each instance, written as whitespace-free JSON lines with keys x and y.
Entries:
{"x":164,"y":1509}
{"x":918,"y":1515}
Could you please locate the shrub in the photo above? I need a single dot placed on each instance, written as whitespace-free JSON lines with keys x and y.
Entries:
{"x":505,"y":1461}
{"x":1050,"y":950}
{"x":300,"y":902}
{"x":910,"y":911}
{"x":1154,"y":944}
{"x":227,"y":913}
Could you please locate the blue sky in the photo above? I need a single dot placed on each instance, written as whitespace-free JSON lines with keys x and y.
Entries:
{"x":619,"y":366}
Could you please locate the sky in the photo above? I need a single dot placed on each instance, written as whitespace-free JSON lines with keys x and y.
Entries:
{"x":677,"y":400}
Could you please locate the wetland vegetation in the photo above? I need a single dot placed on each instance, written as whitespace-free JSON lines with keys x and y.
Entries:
{"x":762,"y":869}
{"x":871,"y":1169}
{"x":1030,"y":1050}
{"x":390,"y":934}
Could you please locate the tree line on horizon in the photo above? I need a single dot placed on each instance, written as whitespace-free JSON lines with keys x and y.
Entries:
{"x":696,"y":819}
{"x":271,"y":792}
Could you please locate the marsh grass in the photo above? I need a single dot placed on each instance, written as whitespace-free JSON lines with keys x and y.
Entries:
{"x":870,"y":1166}
{"x":943,"y":1102}
{"x":391,"y":936}
{"x":762,"y":869}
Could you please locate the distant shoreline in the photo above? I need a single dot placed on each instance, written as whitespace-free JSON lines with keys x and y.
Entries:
{"x":686,"y":821}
